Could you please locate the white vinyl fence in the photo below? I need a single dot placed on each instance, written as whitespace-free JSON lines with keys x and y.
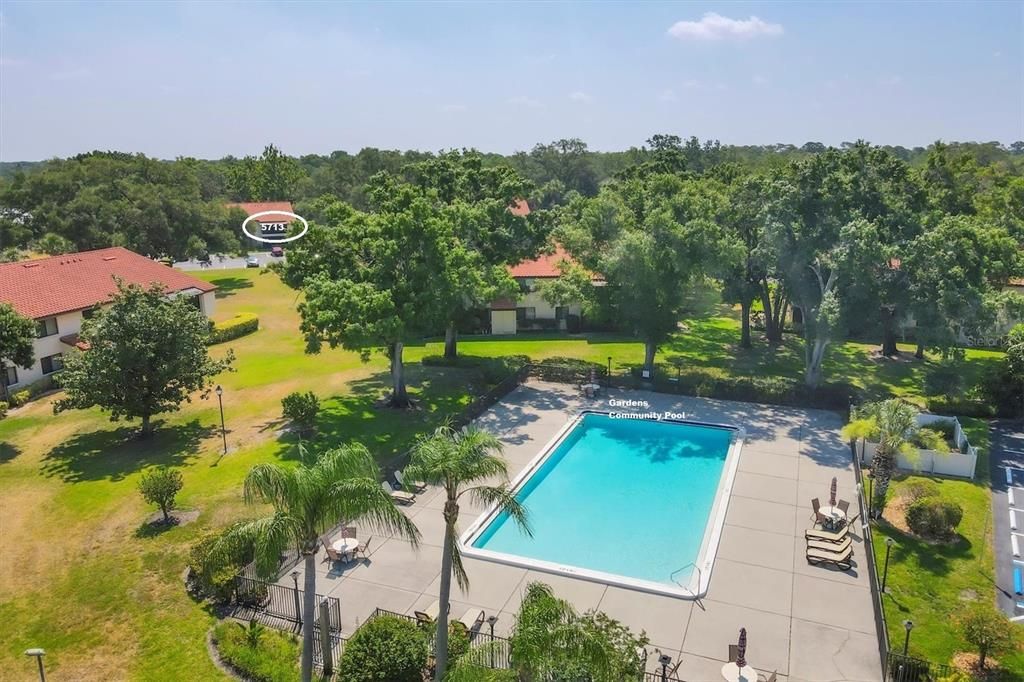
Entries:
{"x":960,"y":464}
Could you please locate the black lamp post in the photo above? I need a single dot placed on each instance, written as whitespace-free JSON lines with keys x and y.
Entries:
{"x":609,"y":371}
{"x":298,"y":606}
{"x":885,"y":571}
{"x":871,"y":494}
{"x":491,"y":620}
{"x":223,"y":432}
{"x":665,"y":660}
{"x":38,"y":655}
{"x":909,"y":625}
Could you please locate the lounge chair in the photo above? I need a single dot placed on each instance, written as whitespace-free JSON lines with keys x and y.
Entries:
{"x":827,"y":535}
{"x":429,"y":614}
{"x":416,"y":486}
{"x":472,"y":619}
{"x":771,"y":678}
{"x":837,"y":547}
{"x":399,"y":496}
{"x":819,"y":556}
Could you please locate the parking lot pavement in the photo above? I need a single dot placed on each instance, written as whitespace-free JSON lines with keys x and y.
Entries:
{"x":1007,"y":469}
{"x":222,"y":262}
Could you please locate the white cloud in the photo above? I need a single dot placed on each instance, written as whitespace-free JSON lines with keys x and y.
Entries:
{"x":713,"y":26}
{"x":580,"y":96}
{"x":454,"y":108}
{"x":668,"y":95}
{"x":524,"y":101}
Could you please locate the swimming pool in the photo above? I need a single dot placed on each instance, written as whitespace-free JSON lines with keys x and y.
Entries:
{"x":637,"y":503}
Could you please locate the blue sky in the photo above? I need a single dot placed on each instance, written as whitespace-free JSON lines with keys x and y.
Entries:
{"x":208,"y":79}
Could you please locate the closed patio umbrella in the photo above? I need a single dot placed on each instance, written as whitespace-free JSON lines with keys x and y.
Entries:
{"x":832,"y":493}
{"x":741,"y":650}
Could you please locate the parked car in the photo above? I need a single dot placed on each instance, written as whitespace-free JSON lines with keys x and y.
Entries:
{"x":252,"y":262}
{"x":276,"y":251}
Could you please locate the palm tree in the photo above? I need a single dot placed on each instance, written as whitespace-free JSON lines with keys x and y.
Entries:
{"x":343,"y":484}
{"x":893,"y":423}
{"x":460,"y":462}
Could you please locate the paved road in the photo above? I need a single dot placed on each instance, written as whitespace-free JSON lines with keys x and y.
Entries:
{"x":1007,"y":450}
{"x":226,"y":262}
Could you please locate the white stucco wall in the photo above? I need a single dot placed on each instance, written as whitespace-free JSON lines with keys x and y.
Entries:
{"x":208,"y":303}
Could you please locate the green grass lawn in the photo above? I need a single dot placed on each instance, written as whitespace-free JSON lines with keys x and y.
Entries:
{"x":928,"y":583}
{"x":83,"y":578}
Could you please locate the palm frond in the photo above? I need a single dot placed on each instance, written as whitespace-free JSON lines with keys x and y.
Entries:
{"x":505,"y":500}
{"x":457,"y":568}
{"x":269,"y":537}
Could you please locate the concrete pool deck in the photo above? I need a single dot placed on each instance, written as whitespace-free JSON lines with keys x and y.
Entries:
{"x":807,"y":623}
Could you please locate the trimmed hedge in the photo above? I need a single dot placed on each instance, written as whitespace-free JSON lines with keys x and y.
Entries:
{"x":239,"y":325}
{"x":274,"y":659}
{"x":494,"y":370}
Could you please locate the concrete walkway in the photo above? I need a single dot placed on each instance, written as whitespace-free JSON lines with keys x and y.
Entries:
{"x":807,"y":623}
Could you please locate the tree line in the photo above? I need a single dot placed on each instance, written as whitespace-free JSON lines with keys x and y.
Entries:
{"x":177,"y":208}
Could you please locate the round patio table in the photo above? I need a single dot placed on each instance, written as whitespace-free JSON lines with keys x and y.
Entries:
{"x":733,"y":673}
{"x":835,"y":515}
{"x":345,"y":546}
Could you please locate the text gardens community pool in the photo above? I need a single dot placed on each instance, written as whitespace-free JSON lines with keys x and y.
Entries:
{"x":633,"y":502}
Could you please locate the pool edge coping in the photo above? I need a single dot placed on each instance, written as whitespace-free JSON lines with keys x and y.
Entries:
{"x":709,"y":543}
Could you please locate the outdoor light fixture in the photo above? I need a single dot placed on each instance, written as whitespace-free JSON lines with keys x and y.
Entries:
{"x":38,"y":654}
{"x":909,"y":625}
{"x":491,"y":620}
{"x":298,"y":606}
{"x":223,"y":432}
{"x":885,"y":572}
{"x":665,"y":661}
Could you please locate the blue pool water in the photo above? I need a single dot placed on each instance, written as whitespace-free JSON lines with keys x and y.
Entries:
{"x":621,"y":496}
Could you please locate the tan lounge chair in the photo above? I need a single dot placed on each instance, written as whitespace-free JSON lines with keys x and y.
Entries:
{"x":399,"y":496}
{"x":819,"y":556}
{"x":417,"y":486}
{"x":827,"y":535}
{"x":472,"y":619}
{"x":836,"y":547}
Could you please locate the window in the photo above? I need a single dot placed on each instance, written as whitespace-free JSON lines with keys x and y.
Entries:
{"x":46,"y":327}
{"x":9,"y":376}
{"x":526,"y":314}
{"x":561,"y":312}
{"x":197,"y":302}
{"x":52,"y":363}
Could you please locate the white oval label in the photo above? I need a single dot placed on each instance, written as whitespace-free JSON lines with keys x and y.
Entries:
{"x":261,"y":238}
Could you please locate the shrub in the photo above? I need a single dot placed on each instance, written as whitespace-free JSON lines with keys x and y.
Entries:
{"x":301,"y":409}
{"x":274,"y":660}
{"x":239,"y":325}
{"x":3,"y":409}
{"x":18,"y":399}
{"x":918,"y":489}
{"x":159,"y":487}
{"x":987,"y":629}
{"x":385,"y":648}
{"x":964,"y":407}
{"x":934,"y":517}
{"x":215,"y":580}
{"x":458,"y":642}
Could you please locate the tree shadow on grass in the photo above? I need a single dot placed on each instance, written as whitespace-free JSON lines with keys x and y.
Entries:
{"x":112,"y":455}
{"x":228,"y":286}
{"x":360,"y":416}
{"x":8,"y":452}
{"x":936,"y":559}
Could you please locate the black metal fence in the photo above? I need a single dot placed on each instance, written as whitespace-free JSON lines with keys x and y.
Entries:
{"x":900,"y":668}
{"x":485,"y":649}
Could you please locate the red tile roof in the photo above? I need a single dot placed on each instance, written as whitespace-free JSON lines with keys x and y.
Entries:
{"x":251,"y":207}
{"x":545,"y":265}
{"x":519,"y":207}
{"x":76,"y":281}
